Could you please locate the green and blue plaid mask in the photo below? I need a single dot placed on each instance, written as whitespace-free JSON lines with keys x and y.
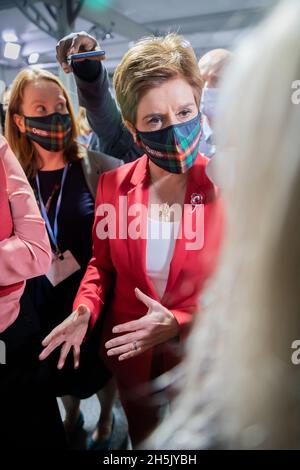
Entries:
{"x":175,"y":147}
{"x":51,"y":132}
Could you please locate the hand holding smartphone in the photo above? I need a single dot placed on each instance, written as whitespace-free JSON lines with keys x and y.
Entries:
{"x":92,"y":55}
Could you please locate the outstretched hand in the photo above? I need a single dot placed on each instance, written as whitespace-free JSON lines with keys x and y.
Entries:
{"x":70,"y":333}
{"x":157,"y":326}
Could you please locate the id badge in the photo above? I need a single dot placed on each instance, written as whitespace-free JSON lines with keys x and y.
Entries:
{"x":62,"y":267}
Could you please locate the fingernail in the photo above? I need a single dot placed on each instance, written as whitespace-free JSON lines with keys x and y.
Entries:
{"x":110,"y":353}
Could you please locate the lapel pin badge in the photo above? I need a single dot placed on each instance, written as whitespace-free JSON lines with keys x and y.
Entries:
{"x":196,"y":200}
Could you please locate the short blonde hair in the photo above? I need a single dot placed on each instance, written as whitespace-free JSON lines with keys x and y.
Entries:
{"x":151,"y":62}
{"x":21,"y":145}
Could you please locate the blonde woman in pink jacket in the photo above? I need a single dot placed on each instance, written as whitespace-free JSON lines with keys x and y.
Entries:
{"x":28,"y":409}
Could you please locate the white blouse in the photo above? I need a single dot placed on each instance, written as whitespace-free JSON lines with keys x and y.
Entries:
{"x":161,"y":239}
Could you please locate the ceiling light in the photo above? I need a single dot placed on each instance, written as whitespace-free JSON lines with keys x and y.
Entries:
{"x":12,"y":50}
{"x":8,"y":35}
{"x":33,"y":58}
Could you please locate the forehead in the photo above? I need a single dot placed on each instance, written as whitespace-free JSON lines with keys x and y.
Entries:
{"x":172,"y":93}
{"x":42,"y":89}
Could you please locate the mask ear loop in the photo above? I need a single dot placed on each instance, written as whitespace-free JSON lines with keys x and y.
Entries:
{"x":136,"y":138}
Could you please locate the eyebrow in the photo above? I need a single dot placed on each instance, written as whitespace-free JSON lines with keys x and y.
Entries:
{"x":45,"y":101}
{"x":164,"y":114}
{"x":37,"y":101}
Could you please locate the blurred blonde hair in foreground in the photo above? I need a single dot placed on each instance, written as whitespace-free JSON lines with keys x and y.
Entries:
{"x":240,"y":387}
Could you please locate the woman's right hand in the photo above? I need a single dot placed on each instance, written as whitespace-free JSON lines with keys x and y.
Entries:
{"x":74,"y":43}
{"x":70,"y":333}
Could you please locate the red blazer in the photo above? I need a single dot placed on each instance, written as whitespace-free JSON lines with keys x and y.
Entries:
{"x":118,"y":266}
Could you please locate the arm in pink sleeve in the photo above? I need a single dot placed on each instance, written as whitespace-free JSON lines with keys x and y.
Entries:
{"x":27,"y":252}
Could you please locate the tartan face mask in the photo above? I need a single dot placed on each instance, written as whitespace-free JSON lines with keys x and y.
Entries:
{"x":175,"y":147}
{"x":51,"y":132}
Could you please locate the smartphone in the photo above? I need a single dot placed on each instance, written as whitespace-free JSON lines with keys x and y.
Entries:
{"x":86,"y":55}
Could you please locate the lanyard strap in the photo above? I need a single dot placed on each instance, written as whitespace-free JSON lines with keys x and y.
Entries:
{"x":52,"y":233}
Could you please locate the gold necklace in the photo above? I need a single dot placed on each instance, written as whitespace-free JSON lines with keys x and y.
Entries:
{"x":164,"y":208}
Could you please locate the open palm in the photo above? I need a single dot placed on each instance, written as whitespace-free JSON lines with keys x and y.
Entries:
{"x":70,"y":333}
{"x":156,"y":327}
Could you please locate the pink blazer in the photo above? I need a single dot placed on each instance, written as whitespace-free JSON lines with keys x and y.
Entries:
{"x":24,"y":245}
{"x":6,"y":225}
{"x":120,"y":264}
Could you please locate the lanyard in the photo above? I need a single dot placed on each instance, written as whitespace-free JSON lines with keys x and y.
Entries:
{"x":52,"y":233}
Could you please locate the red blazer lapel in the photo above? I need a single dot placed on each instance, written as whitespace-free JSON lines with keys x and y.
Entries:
{"x":137,"y":203}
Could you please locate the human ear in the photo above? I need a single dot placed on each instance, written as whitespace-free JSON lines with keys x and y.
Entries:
{"x":131,"y":128}
{"x":19,"y":122}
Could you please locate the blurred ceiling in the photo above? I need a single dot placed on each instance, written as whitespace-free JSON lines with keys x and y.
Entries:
{"x":116,"y":23}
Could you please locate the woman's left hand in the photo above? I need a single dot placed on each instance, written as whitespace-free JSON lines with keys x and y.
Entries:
{"x":157,"y":326}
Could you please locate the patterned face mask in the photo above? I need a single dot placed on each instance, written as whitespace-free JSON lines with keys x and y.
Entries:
{"x":175,"y":147}
{"x":51,"y":132}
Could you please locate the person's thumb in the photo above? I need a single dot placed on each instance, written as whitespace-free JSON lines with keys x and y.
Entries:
{"x":148,"y":301}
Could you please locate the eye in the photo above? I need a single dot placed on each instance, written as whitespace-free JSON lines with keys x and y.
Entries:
{"x":155,"y":122}
{"x":61,"y":107}
{"x":41,"y":109}
{"x":185,"y":113}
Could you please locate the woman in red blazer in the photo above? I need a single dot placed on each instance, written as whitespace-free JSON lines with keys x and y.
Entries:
{"x":157,"y":230}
